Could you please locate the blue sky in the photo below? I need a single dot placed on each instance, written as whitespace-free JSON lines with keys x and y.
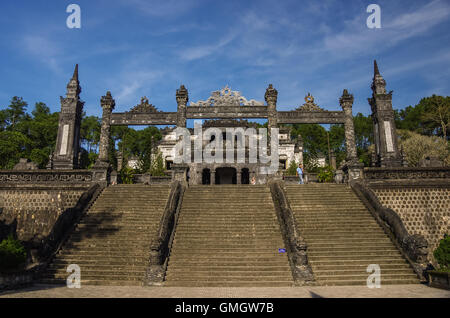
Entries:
{"x":138,"y":48}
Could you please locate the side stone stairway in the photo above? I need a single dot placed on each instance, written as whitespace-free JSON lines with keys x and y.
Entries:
{"x":228,"y":235}
{"x":111,"y":244}
{"x":343,"y":237}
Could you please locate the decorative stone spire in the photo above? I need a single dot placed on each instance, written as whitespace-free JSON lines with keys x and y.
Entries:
{"x":385,"y":136}
{"x":74,"y":88}
{"x":375,"y":68}
{"x":75,"y":73}
{"x":378,"y":83}
{"x":68,"y":140}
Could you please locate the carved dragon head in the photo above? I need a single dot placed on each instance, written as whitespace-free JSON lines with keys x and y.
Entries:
{"x":417,"y":248}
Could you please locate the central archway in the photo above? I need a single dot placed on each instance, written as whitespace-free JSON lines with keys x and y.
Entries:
{"x":226,"y":175}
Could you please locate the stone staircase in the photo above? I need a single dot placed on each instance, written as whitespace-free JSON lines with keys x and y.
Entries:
{"x":111,"y":242}
{"x":343,"y":237}
{"x":228,"y":236}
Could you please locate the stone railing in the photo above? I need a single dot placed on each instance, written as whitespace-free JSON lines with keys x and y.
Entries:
{"x":161,"y":242}
{"x":413,"y":247}
{"x":295,"y":244}
{"x":66,"y":223}
{"x":403,"y":173}
{"x":19,"y":177}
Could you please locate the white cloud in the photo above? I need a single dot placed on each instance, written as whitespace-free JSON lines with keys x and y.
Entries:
{"x":44,"y":50}
{"x":201,"y":51}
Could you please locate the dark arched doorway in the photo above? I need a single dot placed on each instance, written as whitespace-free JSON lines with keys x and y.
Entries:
{"x":245,"y":176}
{"x":206,"y":176}
{"x":226,"y":175}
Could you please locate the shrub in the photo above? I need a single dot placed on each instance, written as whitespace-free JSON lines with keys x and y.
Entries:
{"x":326,"y":174}
{"x":442,"y":253}
{"x":12,"y":254}
{"x":157,"y":166}
{"x":292,"y":169}
{"x":417,"y":147}
{"x":126,"y":175}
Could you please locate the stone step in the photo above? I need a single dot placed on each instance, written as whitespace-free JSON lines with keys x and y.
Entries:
{"x":229,"y":263}
{"x":349,"y":240}
{"x":363,"y":257}
{"x":362,"y":272}
{"x":111,"y":261}
{"x":383,"y":260}
{"x":218,"y":273}
{"x":100,"y":277}
{"x":352,"y":253}
{"x":400,"y":265}
{"x":227,"y":283}
{"x":238,"y":268}
{"x":238,"y":278}
{"x":349,"y":277}
{"x":342,"y":234}
{"x":94,"y":282}
{"x":100,"y":267}
{"x":361,"y":282}
{"x":386,"y":247}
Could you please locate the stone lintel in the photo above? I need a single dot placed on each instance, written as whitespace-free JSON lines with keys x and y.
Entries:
{"x":313,"y":117}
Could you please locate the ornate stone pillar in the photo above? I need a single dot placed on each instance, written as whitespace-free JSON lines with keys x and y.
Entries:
{"x":182,"y":100}
{"x":271,"y":97}
{"x":387,"y":153}
{"x":108,"y":104}
{"x":346,"y":102}
{"x":67,"y":147}
{"x":238,"y":177}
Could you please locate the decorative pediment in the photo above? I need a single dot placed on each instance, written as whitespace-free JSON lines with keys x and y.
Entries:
{"x":227,"y":97}
{"x":144,"y":107}
{"x":309,"y":105}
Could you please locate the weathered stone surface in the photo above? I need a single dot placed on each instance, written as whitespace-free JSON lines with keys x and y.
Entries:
{"x":387,"y":153}
{"x":68,"y":139}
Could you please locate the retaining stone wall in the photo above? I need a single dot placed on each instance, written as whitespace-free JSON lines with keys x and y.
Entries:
{"x":423,"y":210}
{"x":35,"y":211}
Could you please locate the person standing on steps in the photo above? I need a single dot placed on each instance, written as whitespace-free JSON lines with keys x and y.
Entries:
{"x":300,"y":173}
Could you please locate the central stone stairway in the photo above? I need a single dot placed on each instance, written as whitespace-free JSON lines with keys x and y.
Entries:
{"x":228,"y":236}
{"x":111,"y":244}
{"x":343,"y":237}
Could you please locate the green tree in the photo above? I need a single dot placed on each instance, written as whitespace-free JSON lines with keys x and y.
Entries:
{"x":15,"y":111}
{"x":42,"y":130}
{"x":90,"y":132}
{"x":12,"y":147}
{"x":437,"y":113}
{"x":157,"y":165}
{"x":292,"y":169}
